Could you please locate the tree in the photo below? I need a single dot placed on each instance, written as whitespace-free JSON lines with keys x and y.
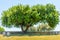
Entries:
{"x":32,"y":29}
{"x":26,"y":16}
{"x":44,"y":27}
{"x":2,"y":29}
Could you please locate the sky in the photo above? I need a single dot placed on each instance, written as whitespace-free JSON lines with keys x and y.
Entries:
{"x":5,"y":4}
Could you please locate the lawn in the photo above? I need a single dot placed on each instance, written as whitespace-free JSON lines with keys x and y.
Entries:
{"x":51,"y":37}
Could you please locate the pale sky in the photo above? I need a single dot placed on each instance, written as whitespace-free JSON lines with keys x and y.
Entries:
{"x":5,"y":4}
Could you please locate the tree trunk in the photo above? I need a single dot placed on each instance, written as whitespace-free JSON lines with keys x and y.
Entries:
{"x":24,"y":31}
{"x":27,"y":27}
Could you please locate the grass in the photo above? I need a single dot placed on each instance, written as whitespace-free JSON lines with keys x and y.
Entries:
{"x":51,"y":37}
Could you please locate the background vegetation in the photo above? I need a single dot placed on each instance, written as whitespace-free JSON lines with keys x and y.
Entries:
{"x":2,"y":29}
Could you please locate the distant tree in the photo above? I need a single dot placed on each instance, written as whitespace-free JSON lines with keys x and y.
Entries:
{"x":32,"y":29}
{"x":2,"y":29}
{"x":26,"y":16}
{"x":44,"y":27}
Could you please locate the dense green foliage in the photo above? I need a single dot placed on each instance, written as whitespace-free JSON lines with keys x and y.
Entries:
{"x":26,"y":16}
{"x":2,"y":29}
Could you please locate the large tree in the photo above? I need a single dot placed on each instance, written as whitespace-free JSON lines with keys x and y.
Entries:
{"x":26,"y":16}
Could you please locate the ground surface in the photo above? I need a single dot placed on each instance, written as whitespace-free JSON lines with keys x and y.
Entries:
{"x":51,"y":37}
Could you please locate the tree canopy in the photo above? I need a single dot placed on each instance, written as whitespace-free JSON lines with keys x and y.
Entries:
{"x":26,"y":16}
